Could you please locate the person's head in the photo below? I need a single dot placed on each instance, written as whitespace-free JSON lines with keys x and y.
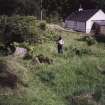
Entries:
{"x":60,"y":37}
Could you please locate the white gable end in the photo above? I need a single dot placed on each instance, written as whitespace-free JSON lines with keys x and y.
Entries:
{"x":100,"y":15}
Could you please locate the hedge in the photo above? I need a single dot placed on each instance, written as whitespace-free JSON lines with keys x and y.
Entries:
{"x":24,"y":26}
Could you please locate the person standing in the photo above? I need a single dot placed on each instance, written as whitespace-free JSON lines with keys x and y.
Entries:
{"x":60,"y":45}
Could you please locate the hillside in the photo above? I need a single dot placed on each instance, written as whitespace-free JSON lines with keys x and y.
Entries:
{"x":79,"y":71}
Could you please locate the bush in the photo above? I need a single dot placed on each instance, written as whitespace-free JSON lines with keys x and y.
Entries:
{"x":52,"y":35}
{"x":81,"y":51}
{"x":42,"y":25}
{"x":90,"y":40}
{"x":78,"y":51}
{"x":20,"y":28}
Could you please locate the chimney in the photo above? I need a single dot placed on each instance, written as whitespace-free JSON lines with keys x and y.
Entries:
{"x":80,"y":8}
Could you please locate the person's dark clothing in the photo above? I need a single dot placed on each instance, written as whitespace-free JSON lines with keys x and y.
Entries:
{"x":60,"y":48}
{"x":60,"y":45}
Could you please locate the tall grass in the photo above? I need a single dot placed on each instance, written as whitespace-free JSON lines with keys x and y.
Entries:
{"x":71,"y":73}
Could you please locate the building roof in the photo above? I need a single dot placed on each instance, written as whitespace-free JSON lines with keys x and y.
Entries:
{"x":82,"y":15}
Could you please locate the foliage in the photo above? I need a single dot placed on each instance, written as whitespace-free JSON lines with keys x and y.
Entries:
{"x":79,"y":51}
{"x":22,"y":7}
{"x":19,"y":29}
{"x":51,"y":35}
{"x":47,"y":77}
{"x":90,"y":40}
{"x":51,"y":7}
{"x":21,"y":25}
{"x":64,"y":7}
{"x":54,"y":18}
{"x":42,"y":25}
{"x":70,"y":73}
{"x":59,"y":7}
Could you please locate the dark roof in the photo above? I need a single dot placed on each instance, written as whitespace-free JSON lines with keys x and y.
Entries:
{"x":101,"y":23}
{"x":82,"y":15}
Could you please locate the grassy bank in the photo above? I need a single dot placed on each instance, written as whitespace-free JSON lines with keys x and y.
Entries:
{"x":70,"y":74}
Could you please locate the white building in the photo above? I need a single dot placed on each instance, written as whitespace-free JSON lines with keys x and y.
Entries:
{"x":83,"y":20}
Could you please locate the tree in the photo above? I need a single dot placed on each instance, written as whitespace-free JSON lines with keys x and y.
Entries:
{"x":100,"y":4}
{"x":22,"y":7}
{"x":61,"y":8}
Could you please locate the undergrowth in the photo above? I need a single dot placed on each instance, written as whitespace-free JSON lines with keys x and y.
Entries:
{"x":71,"y":74}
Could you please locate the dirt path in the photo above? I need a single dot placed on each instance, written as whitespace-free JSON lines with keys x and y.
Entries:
{"x":57,"y":27}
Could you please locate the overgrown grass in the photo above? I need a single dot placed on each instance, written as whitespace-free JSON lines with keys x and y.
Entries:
{"x":70,"y":74}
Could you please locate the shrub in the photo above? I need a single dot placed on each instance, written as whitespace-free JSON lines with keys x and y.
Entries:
{"x":20,"y":28}
{"x":78,"y":51}
{"x":42,"y":25}
{"x":52,"y":35}
{"x":81,"y":51}
{"x":90,"y":40}
{"x":23,"y":25}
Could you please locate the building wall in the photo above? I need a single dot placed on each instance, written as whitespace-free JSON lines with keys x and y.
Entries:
{"x":70,"y":24}
{"x":75,"y":25}
{"x":100,"y":15}
{"x":102,"y":30}
{"x":81,"y":26}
